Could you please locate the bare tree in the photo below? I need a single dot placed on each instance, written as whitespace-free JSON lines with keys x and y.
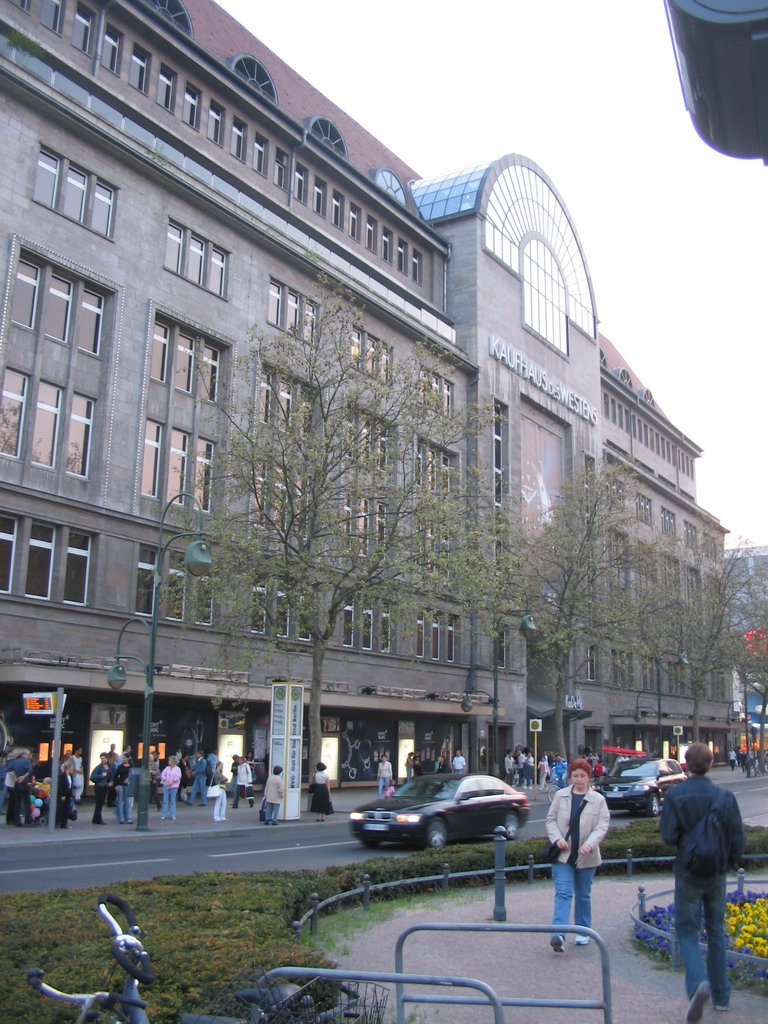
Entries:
{"x":344,"y":489}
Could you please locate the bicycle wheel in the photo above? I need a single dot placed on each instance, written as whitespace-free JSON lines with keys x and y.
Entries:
{"x":551,"y":790}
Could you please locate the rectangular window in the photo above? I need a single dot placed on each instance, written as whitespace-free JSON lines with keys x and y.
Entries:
{"x":145,"y":579}
{"x":348,"y":626}
{"x":166,"y":88}
{"x":12,"y":413}
{"x":103,"y":205}
{"x":138,"y":72}
{"x":260,"y":154}
{"x":416,"y":265}
{"x":81,"y":33}
{"x":52,"y":14}
{"x":319,"y":194}
{"x":300,"y":179}
{"x":499,"y":431}
{"x":420,"y":639}
{"x":57,"y":309}
{"x":370,"y":233}
{"x":210,"y":371}
{"x":337,"y":209}
{"x":259,"y":610}
{"x":79,"y":441}
{"x":150,"y":467}
{"x":281,"y":169}
{"x":177,"y":465}
{"x":293,"y":310}
{"x":282,"y":615}
{"x":385,"y":632}
{"x":76,"y":570}
{"x":402,"y":256}
{"x":159,"y":363}
{"x":73,"y":197}
{"x":185,"y":349}
{"x":40,"y":562}
{"x":354,"y":221}
{"x":175,"y":595}
{"x":46,"y":188}
{"x":46,"y":428}
{"x":275,"y":304}
{"x":110,"y":50}
{"x":434,"y":648}
{"x":216,"y":123}
{"x":196,"y":259}
{"x":191,"y":110}
{"x":451,"y":633}
{"x":89,"y":321}
{"x":24,"y":307}
{"x":217,"y":271}
{"x":7,"y":548}
{"x":667,"y":521}
{"x":203,"y":473}
{"x":690,"y":535}
{"x":238,"y":141}
{"x":644,"y":509}
{"x":387,"y":244}
{"x":592,"y":663}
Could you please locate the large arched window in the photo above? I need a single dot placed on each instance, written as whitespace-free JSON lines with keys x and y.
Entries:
{"x":255,"y":74}
{"x":175,"y":12}
{"x":529,"y":229}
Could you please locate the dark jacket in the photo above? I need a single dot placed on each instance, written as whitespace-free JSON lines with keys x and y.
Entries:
{"x":685,"y":805}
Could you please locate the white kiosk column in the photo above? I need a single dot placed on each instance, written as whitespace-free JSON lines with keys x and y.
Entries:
{"x":287,"y":723}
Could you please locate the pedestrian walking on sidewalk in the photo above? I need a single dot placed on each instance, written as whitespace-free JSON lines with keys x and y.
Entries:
{"x":684,"y":807}
{"x":577,"y":821}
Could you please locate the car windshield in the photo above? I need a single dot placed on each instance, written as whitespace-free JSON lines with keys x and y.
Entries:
{"x":429,"y":787}
{"x":634,"y":770}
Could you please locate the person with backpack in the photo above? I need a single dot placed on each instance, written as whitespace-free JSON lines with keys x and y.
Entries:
{"x":704,"y":823}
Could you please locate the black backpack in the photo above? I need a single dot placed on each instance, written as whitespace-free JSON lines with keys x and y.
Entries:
{"x":705,"y":849}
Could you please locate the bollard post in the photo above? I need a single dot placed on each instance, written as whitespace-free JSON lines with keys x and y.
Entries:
{"x":641,"y":899}
{"x":530,"y":868}
{"x":314,"y":899}
{"x":629,"y":863}
{"x":296,"y":929}
{"x":366,"y":891}
{"x":446,"y":879}
{"x":740,"y":881}
{"x":499,"y":858}
{"x":674,"y":947}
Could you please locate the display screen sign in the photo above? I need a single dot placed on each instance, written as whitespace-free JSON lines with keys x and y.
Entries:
{"x":39,"y":703}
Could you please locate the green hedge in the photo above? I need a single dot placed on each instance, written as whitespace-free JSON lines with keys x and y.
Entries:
{"x":204,"y":928}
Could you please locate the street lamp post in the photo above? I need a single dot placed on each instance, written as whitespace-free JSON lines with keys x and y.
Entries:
{"x":682,"y":659}
{"x":527,"y":627}
{"x":197,"y":562}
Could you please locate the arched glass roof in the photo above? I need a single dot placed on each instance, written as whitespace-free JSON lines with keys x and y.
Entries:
{"x":448,"y":194}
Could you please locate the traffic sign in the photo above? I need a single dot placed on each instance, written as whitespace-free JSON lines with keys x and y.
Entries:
{"x":534,"y":725}
{"x":677,"y":730}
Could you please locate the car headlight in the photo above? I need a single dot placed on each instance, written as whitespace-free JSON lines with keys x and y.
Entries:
{"x":408,"y":819}
{"x":356,"y":816}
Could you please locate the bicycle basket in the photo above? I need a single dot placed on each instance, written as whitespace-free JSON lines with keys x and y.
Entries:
{"x":254,"y":1000}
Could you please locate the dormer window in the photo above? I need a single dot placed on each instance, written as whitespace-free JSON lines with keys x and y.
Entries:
{"x":325,"y":130}
{"x":256,"y":75}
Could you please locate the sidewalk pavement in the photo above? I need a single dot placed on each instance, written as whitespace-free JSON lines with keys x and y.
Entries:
{"x":191,"y":820}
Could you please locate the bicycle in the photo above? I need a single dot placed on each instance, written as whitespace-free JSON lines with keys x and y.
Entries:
{"x":248,"y":999}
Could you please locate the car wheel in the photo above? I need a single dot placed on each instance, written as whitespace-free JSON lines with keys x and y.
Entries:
{"x":511,"y":824}
{"x":437,"y":834}
{"x":653,"y":806}
{"x":370,"y":842}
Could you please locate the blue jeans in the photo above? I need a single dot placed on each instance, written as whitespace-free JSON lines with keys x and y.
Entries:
{"x":690,"y":896}
{"x":570,"y":883}
{"x":123,"y":804}
{"x":199,"y":784}
{"x":169,"y":802}
{"x":384,"y":783}
{"x":271,"y":812}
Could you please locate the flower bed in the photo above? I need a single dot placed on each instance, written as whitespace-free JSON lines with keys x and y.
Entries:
{"x":746,"y":929}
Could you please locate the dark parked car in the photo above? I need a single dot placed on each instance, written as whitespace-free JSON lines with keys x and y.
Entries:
{"x":638,"y":784}
{"x":432,"y":810}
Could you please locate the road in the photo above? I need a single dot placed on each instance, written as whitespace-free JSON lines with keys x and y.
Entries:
{"x":71,"y":862}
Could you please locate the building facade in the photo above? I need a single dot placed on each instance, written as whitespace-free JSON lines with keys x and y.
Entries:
{"x":172,"y":186}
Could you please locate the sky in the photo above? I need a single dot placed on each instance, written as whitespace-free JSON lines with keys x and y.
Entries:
{"x":673,"y":233}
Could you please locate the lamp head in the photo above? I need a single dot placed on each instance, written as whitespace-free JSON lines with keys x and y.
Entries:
{"x":681,"y":657}
{"x":197,"y":558}
{"x":527,"y":625}
{"x":116,"y":676}
{"x":466,"y":703}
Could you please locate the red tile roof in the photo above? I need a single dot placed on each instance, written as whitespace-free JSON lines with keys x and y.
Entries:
{"x":224,"y":37}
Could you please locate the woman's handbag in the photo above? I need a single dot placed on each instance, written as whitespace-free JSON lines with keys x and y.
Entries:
{"x":72,"y":809}
{"x":550,"y":852}
{"x":215,"y":790}
{"x":263,"y":810}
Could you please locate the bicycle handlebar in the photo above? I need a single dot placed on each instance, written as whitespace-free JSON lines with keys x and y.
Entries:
{"x":127,"y":948}
{"x":122,"y":906}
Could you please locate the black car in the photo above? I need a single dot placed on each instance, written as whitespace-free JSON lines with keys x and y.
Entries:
{"x":432,"y":810}
{"x":638,"y":784}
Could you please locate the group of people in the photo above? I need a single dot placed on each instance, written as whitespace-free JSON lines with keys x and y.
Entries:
{"x":577,"y":822}
{"x":385,"y":776}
